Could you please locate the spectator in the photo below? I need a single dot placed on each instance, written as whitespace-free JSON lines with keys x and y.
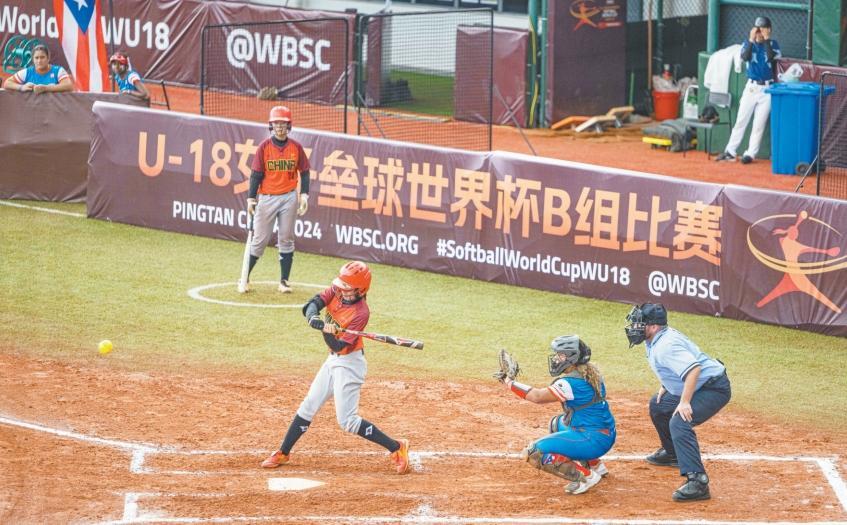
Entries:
{"x":41,"y":77}
{"x":760,"y":53}
{"x":127,"y":79}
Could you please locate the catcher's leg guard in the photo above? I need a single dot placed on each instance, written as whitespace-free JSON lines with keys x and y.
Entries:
{"x":555,"y":464}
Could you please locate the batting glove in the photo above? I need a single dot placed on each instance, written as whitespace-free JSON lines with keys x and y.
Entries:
{"x":304,"y":204}
{"x":251,"y":206}
{"x":316,"y":323}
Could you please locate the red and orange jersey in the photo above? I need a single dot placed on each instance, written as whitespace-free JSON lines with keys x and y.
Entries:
{"x":351,"y":316}
{"x":281,"y":166}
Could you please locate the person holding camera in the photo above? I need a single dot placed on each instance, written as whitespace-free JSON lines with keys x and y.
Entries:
{"x":760,"y":52}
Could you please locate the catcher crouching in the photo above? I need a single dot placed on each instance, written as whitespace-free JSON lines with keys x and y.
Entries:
{"x":585,"y":431}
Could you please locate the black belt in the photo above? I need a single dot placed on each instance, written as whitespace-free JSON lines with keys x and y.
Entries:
{"x":713,"y":380}
{"x":762,"y":82}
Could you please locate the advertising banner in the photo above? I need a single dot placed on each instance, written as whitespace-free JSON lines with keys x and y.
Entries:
{"x":163,"y":37}
{"x":552,"y":225}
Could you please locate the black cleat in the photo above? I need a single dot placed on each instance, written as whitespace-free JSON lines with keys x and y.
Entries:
{"x":725,"y":156}
{"x":695,"y":489}
{"x":662,"y":458}
{"x":746,"y":159}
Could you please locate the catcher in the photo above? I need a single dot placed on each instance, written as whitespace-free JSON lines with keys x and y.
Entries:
{"x":585,"y":430}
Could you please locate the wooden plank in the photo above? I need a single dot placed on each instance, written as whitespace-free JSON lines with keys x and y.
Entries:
{"x":595,"y":122}
{"x":569,"y":121}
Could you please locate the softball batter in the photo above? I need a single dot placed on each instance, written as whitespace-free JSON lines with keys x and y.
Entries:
{"x":272,"y":198}
{"x":343,"y":373}
{"x":585,"y":430}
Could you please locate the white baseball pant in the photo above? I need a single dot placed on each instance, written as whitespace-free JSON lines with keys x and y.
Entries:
{"x":341,"y":377}
{"x":754,"y":103}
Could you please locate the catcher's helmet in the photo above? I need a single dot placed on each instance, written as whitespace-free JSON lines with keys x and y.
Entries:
{"x":354,"y":275}
{"x":639,"y":317}
{"x":568,"y":350}
{"x":120,"y":58}
{"x":279,"y":114}
{"x":762,"y":21}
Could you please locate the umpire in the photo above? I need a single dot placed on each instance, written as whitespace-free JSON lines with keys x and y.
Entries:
{"x":693,"y":388}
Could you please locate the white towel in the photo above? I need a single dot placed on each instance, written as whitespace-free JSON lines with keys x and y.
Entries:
{"x":716,"y":76}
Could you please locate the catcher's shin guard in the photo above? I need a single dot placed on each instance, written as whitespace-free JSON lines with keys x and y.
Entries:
{"x":555,"y":464}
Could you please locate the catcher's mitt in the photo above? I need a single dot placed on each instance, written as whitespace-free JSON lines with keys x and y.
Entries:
{"x":509,"y":367}
{"x":267,"y":93}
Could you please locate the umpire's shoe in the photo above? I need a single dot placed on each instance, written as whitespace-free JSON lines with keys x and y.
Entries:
{"x":695,"y":489}
{"x":662,"y":458}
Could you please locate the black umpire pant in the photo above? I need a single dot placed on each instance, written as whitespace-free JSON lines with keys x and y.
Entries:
{"x":677,"y":435}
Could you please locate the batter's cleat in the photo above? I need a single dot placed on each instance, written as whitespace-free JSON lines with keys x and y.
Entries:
{"x":243,"y":288}
{"x":400,"y":457}
{"x":662,"y":458}
{"x":283,"y":287}
{"x":695,"y":489}
{"x":276,"y":459}
{"x":580,"y":487}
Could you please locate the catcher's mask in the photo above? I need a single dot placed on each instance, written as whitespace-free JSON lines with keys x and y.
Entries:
{"x":639,"y":317}
{"x":354,"y":276}
{"x":568,"y":350}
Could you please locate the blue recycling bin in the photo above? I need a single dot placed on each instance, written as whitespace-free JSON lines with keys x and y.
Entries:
{"x":794,"y":125}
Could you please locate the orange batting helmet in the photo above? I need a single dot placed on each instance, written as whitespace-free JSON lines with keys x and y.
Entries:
{"x":279,"y":114}
{"x":354,"y":274}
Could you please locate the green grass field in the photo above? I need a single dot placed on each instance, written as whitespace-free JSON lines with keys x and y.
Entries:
{"x":431,"y":94}
{"x":68,"y":282}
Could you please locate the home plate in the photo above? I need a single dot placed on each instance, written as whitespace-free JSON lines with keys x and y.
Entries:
{"x":292,"y":484}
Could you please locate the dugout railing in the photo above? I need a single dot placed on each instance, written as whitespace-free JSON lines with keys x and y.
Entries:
{"x":426,"y":77}
{"x":831,"y":165}
{"x":248,"y":68}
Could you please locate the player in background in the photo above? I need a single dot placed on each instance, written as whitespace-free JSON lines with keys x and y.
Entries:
{"x":41,"y":77}
{"x":127,"y":79}
{"x":273,"y":193}
{"x":693,"y":387}
{"x":585,"y":430}
{"x":343,"y":373}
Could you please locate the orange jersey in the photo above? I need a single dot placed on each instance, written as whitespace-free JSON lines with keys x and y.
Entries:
{"x":281,"y":166}
{"x":352,"y":316}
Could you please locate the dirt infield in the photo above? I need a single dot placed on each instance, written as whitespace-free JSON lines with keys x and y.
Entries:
{"x":616,"y":148}
{"x":89,"y":440}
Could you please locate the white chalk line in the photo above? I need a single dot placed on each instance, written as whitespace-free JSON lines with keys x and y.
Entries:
{"x":39,"y":208}
{"x":140,"y":450}
{"x":195,"y":293}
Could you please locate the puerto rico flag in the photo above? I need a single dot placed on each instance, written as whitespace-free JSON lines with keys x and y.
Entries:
{"x":81,"y":34}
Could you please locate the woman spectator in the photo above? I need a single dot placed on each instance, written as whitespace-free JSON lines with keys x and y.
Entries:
{"x":41,"y":77}
{"x":127,"y":79}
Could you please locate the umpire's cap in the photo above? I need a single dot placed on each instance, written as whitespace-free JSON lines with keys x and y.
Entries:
{"x":762,"y":21}
{"x":654,"y":313}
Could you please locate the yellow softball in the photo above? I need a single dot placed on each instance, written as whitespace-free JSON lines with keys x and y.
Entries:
{"x":104,"y":347}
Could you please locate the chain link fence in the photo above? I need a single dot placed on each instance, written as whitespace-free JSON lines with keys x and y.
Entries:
{"x":790,"y":25}
{"x":248,"y":68}
{"x":831,"y":168}
{"x":426,"y":77}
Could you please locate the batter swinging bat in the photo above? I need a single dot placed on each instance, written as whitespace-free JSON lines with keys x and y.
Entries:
{"x":245,"y":261}
{"x":390,"y":339}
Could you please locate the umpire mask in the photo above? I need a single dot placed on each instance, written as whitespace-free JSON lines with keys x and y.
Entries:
{"x":639,"y":317}
{"x":568,"y":350}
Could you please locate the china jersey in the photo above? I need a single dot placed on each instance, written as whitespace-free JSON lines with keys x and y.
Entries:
{"x":30,"y":76}
{"x":351,"y":316}
{"x":281,"y":166}
{"x":575,"y":392}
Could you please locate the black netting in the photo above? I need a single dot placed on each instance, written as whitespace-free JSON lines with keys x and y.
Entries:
{"x":302,"y":64}
{"x":832,"y":168}
{"x":426,"y":77}
{"x":790,"y":26}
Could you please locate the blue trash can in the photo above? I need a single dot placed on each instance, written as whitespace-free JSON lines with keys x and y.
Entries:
{"x":794,"y":125}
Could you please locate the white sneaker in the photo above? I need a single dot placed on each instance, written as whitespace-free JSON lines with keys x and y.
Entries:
{"x":579,"y":487}
{"x":243,"y":288}
{"x":283,"y":287}
{"x":601,"y":469}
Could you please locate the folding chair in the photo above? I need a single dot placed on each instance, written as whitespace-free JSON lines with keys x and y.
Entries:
{"x":720,"y":101}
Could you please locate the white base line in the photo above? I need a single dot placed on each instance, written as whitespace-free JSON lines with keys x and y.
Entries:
{"x":39,"y":208}
{"x":140,"y":450}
